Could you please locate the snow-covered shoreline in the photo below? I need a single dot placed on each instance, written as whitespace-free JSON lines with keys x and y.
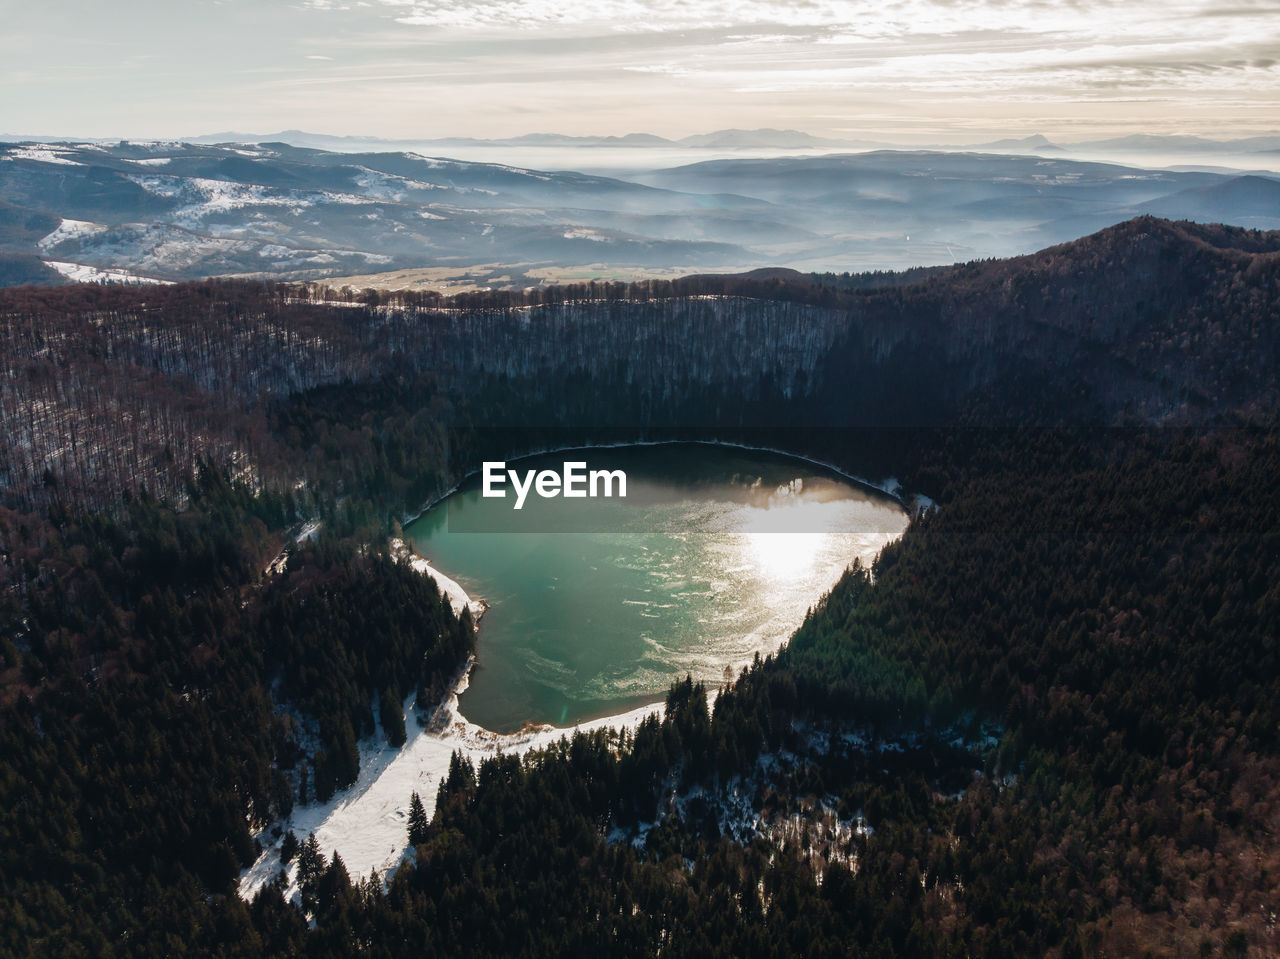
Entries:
{"x":402,"y":552}
{"x":367,"y":823}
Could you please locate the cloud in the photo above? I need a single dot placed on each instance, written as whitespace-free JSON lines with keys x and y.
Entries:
{"x":665,"y":65}
{"x":755,"y":46}
{"x":635,"y":15}
{"x":860,"y":18}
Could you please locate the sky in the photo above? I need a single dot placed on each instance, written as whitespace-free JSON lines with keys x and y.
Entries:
{"x":907,"y":71}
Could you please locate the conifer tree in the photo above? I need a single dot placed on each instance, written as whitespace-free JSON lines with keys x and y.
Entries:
{"x":333,"y":890}
{"x":288,"y":847}
{"x":417,"y":820}
{"x":311,"y":867}
{"x":392,"y":716}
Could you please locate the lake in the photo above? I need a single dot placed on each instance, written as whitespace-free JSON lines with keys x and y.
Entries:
{"x":597,"y":604}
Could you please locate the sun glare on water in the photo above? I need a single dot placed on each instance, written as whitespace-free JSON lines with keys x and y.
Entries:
{"x":785,"y":540}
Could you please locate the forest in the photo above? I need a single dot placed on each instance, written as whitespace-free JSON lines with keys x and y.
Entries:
{"x":1099,"y":582}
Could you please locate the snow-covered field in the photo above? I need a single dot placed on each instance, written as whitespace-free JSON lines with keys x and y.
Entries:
{"x":367,"y":821}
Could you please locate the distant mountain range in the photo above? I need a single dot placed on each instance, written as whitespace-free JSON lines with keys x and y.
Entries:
{"x":1036,"y":143}
{"x":1142,"y":143}
{"x":924,"y":207}
{"x":1247,"y":201}
{"x":768,"y":139}
{"x":726,"y":140}
{"x":1258,"y":144}
{"x":720,"y":139}
{"x":180,"y":211}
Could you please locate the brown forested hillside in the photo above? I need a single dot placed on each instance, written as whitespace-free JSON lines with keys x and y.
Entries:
{"x":1148,"y":322}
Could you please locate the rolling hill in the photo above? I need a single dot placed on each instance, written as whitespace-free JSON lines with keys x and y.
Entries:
{"x":183,"y":211}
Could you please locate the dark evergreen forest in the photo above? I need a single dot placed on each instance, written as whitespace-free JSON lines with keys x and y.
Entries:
{"x":1099,"y":582}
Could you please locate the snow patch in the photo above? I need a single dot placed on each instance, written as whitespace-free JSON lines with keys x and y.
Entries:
{"x":202,"y":197}
{"x":308,"y":531}
{"x":42,"y":154}
{"x":388,"y":186}
{"x":82,"y":273}
{"x":69,"y":230}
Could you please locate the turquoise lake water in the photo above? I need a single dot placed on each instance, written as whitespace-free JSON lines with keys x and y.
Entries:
{"x":596,"y":605}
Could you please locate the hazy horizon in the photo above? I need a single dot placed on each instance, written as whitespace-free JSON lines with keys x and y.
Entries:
{"x":826,"y":142}
{"x":628,"y":161}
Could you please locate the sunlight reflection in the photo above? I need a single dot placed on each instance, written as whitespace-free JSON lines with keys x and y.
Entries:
{"x":785,"y":541}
